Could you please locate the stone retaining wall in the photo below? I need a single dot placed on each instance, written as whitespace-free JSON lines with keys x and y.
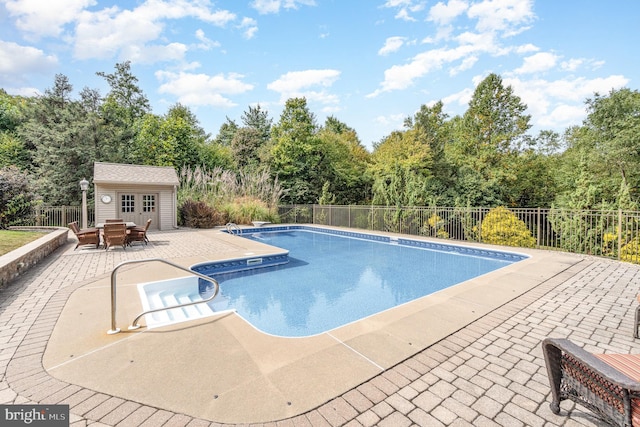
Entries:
{"x":18,"y":261}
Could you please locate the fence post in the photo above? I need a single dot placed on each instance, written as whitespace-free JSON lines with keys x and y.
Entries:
{"x":64,"y":214}
{"x":619,"y":233}
{"x":538,"y":226}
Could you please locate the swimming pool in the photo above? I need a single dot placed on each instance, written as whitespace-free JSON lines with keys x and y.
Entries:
{"x":336,"y":277}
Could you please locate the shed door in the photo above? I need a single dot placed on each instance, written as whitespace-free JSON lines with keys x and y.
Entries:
{"x":139,"y":207}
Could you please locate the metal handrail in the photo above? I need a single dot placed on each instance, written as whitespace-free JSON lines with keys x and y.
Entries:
{"x":134,"y":325}
{"x":231,"y":226}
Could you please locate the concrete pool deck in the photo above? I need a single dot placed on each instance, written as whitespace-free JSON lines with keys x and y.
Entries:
{"x":468,"y":355}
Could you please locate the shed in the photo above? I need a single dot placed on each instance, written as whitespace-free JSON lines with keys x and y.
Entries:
{"x":136,"y":193}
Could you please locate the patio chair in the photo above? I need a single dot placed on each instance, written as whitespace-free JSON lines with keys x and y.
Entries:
{"x":87,"y":236}
{"x":115,"y":234}
{"x":138,"y":234}
{"x":607,"y":384}
{"x":113,"y":220}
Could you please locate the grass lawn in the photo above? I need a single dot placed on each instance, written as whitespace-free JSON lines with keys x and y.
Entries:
{"x":10,"y":240}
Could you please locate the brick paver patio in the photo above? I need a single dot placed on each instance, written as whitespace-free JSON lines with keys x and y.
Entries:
{"x":489,"y":373}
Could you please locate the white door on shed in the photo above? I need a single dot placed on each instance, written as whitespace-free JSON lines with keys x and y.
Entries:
{"x":139,"y":207}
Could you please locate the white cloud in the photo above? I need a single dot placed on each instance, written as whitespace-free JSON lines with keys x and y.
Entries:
{"x":105,"y":33}
{"x":392,"y":120}
{"x":443,"y":14}
{"x":572,"y":64}
{"x":494,"y":20}
{"x":250,"y":27}
{"x":559,"y":103}
{"x":537,"y":63}
{"x":461,"y":98}
{"x":575,"y":63}
{"x":398,"y":3}
{"x":45,"y":18}
{"x":405,"y":8}
{"x":466,"y":64}
{"x":273,"y":6}
{"x":149,"y":54}
{"x":562,"y":117}
{"x":299,"y":84}
{"x":205,"y":42}
{"x":506,"y":16}
{"x":526,"y":48}
{"x":400,"y":77}
{"x":23,"y":91}
{"x":202,"y":89}
{"x":18,"y":60}
{"x":294,"y":81}
{"x":392,"y":44}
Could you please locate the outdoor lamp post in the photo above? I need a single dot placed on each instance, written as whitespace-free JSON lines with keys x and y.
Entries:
{"x":84,"y":186}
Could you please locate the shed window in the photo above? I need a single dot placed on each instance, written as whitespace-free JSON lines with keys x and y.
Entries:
{"x":148,"y":203}
{"x":127,"y":203}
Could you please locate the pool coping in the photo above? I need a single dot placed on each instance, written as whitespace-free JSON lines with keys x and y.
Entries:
{"x":264,"y":370}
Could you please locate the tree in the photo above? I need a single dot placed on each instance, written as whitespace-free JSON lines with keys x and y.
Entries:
{"x":258,"y":119}
{"x":245,"y":147}
{"x":536,"y":171}
{"x":434,"y":131}
{"x":62,"y":132}
{"x":344,"y":166}
{"x":613,"y":124}
{"x":430,"y":125}
{"x":125,"y":104}
{"x":226,"y":133}
{"x":486,"y":140}
{"x":294,"y":154}
{"x":604,"y":152}
{"x":249,"y":141}
{"x":125,"y":92}
{"x":401,"y":167}
{"x":12,"y":115}
{"x":175,"y":139}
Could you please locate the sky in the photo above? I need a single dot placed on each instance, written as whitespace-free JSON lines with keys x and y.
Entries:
{"x":368,"y":63}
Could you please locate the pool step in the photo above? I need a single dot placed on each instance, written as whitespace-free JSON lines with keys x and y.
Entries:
{"x":179,"y":291}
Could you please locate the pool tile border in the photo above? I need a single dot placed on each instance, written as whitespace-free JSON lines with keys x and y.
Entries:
{"x":423,"y":244}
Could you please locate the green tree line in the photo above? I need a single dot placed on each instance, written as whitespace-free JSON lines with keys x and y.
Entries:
{"x":484,"y":157}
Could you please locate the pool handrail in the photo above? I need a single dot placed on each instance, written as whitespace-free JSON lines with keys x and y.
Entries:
{"x":134,"y":324}
{"x":232,"y":227}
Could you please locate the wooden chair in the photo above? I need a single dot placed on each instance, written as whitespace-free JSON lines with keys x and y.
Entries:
{"x":139,"y":234}
{"x":115,"y":234}
{"x":606,"y":384}
{"x":110,"y":221}
{"x":87,"y":236}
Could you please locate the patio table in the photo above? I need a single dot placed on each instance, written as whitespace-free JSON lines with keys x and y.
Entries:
{"x":130,"y":224}
{"x":100,"y":227}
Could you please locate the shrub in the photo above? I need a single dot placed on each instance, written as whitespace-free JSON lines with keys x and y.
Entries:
{"x":502,"y":227}
{"x":243,"y":210}
{"x":434,"y":226}
{"x":631,"y":251}
{"x":200,"y":215}
{"x":16,"y":197}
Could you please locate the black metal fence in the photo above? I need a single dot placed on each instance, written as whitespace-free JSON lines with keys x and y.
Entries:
{"x":612,"y":234}
{"x":57,"y":216}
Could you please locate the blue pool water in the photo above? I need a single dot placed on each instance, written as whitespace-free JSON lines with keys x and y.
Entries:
{"x":332,"y":280}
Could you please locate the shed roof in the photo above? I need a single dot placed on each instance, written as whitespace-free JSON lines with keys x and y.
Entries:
{"x":118,"y":173}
